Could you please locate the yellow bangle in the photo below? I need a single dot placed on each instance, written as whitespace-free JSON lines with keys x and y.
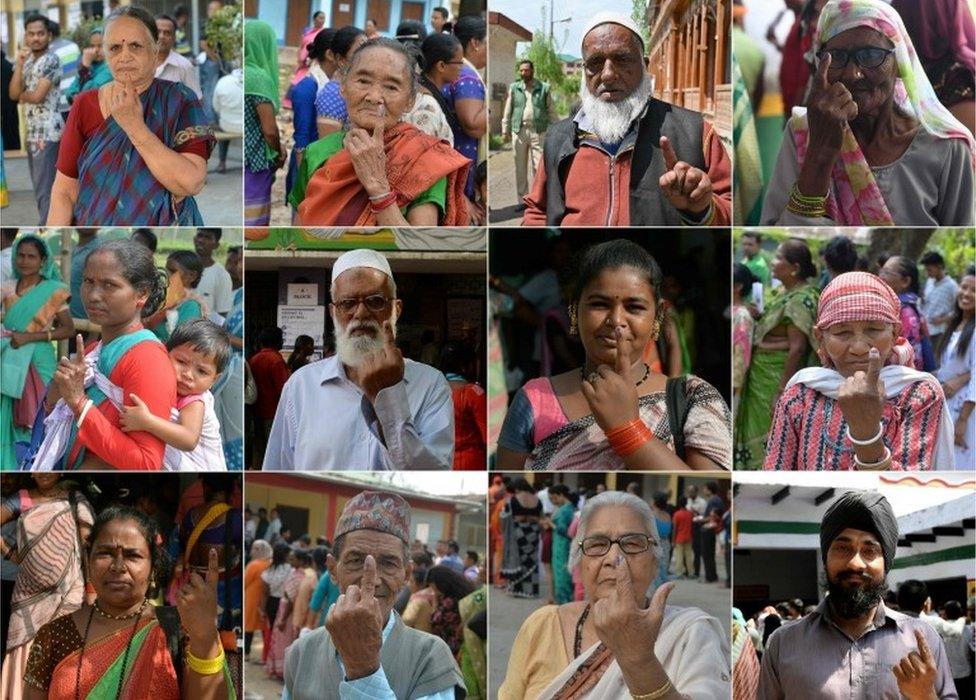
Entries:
{"x":654,"y":695}
{"x":206,"y":667}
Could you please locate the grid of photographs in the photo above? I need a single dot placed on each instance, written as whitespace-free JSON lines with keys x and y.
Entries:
{"x":426,"y":350}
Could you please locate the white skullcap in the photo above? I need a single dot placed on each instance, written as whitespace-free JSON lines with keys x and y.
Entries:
{"x":611,"y":18}
{"x":363,"y":257}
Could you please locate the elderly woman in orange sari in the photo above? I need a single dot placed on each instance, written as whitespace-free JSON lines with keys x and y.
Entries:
{"x":380,"y":171}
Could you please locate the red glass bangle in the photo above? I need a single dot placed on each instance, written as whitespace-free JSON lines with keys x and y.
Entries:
{"x":629,"y":437}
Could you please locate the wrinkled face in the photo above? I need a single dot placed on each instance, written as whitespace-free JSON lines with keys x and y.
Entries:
{"x":613,"y":62}
{"x":378,"y":87}
{"x":526,"y":71}
{"x":37,"y":36}
{"x":29,"y":260}
{"x":204,"y":243}
{"x":749,"y":246}
{"x":392,"y":568}
{"x":196,"y":371}
{"x":131,"y":51}
{"x":372,"y":289}
{"x":109,"y":298}
{"x":167,"y":36}
{"x":616,"y":298}
{"x":120,"y":565}
{"x":966,"y":296}
{"x":893,"y":277}
{"x":870,"y":87}
{"x":848,"y":344}
{"x":95,"y":42}
{"x":599,"y":573}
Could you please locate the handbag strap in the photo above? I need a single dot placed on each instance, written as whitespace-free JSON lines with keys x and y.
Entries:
{"x":677,"y":405}
{"x":216,"y":510}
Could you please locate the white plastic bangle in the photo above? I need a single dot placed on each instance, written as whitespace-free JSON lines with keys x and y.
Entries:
{"x":84,"y":411}
{"x":885,"y":461}
{"x":865,"y":443}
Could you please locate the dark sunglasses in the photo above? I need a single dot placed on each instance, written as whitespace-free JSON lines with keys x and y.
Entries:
{"x":864,"y":56}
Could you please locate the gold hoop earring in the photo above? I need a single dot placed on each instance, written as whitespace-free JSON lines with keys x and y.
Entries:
{"x":656,"y":330}
{"x":573,"y":327}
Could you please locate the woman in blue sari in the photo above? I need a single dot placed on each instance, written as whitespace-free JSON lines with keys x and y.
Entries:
{"x":134,"y":152}
{"x":228,"y":392}
{"x":35,"y":306}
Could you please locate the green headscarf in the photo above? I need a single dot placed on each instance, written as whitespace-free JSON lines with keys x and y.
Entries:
{"x":49,"y":270}
{"x":261,"y":61}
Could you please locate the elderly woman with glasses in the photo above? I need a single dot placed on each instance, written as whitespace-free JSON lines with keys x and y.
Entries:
{"x":874,"y":146}
{"x":618,"y":643}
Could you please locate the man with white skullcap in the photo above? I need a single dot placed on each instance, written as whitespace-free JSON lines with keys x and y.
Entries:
{"x":626,"y":158}
{"x":365,"y":408}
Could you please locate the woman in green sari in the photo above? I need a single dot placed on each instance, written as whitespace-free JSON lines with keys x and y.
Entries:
{"x":472,"y":659}
{"x":565,"y":503}
{"x":782,"y":343}
{"x":35,"y":308}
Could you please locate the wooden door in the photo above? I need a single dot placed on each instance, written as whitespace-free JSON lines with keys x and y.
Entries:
{"x":379,"y":12}
{"x":298,"y":18}
{"x":414,"y":10}
{"x":342,"y":13}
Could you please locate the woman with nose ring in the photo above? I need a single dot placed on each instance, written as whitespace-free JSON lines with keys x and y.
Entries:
{"x":873,"y":146}
{"x":381,"y":171}
{"x":614,"y":412}
{"x":620,"y":642}
{"x":866,"y":407}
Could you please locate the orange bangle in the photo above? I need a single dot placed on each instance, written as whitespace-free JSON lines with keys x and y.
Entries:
{"x":629,"y":437}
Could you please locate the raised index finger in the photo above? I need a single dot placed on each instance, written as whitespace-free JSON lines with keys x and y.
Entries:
{"x":923,"y":647}
{"x":388,"y":334}
{"x":670,"y":157}
{"x":625,"y":584}
{"x":380,"y":125}
{"x":79,"y":349}
{"x":822,"y":69}
{"x":622,"y":364}
{"x":368,"y":583}
{"x":213,"y":570}
{"x":874,"y":367}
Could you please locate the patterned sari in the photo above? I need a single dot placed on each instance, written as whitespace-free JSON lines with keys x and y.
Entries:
{"x":473,"y":660}
{"x":49,"y":583}
{"x":562,"y":578}
{"x":115,"y":184}
{"x":797,"y":308}
{"x":26,"y":371}
{"x":415,"y":162}
{"x":520,"y":565}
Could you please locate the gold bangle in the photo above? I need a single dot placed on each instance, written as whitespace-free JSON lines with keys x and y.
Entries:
{"x":206,"y":667}
{"x":806,"y":199}
{"x":654,"y":695}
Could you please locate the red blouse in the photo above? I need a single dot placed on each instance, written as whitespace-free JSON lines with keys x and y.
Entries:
{"x":147,"y":372}
{"x":470,"y":427}
{"x":84,"y":120}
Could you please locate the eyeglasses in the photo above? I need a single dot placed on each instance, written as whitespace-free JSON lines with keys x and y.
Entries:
{"x":375,"y":303}
{"x":631,"y":543}
{"x":864,"y":56}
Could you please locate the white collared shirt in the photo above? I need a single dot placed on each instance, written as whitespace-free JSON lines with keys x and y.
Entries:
{"x":179,"y":70}
{"x":325,"y":422}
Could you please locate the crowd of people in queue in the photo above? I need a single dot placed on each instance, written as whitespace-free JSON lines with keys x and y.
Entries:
{"x":864,"y":365}
{"x":386,"y":129}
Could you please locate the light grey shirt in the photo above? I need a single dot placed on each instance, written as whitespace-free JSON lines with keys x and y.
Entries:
{"x":930,"y":185}
{"x":179,"y":70}
{"x":325,"y":422}
{"x":939,"y":300}
{"x":813,"y":658}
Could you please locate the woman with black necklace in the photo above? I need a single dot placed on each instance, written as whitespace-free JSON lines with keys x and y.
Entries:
{"x":121,"y":646}
{"x":615,"y":412}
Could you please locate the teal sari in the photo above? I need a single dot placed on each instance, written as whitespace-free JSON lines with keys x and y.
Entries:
{"x":187,"y":310}
{"x":31,"y":313}
{"x":561,"y":576}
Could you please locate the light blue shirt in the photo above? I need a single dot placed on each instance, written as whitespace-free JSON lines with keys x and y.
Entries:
{"x":325,"y":422}
{"x":376,"y":686}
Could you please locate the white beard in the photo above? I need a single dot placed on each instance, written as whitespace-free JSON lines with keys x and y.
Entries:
{"x":352,"y":350}
{"x":610,"y":121}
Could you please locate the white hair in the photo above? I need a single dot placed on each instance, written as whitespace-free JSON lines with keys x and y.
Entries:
{"x":610,"y":121}
{"x":615,"y":499}
{"x":353,"y":350}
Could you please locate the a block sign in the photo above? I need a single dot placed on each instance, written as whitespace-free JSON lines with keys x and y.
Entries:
{"x":303,"y":295}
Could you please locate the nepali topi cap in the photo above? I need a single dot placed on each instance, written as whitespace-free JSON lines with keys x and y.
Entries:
{"x":375,"y":510}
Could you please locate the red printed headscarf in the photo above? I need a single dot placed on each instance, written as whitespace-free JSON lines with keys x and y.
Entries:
{"x":861,"y":296}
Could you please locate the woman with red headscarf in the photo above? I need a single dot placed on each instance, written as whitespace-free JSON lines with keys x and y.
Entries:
{"x":867,"y":407}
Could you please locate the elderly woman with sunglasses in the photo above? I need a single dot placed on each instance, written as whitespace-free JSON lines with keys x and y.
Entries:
{"x":873,"y":146}
{"x":618,"y":643}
